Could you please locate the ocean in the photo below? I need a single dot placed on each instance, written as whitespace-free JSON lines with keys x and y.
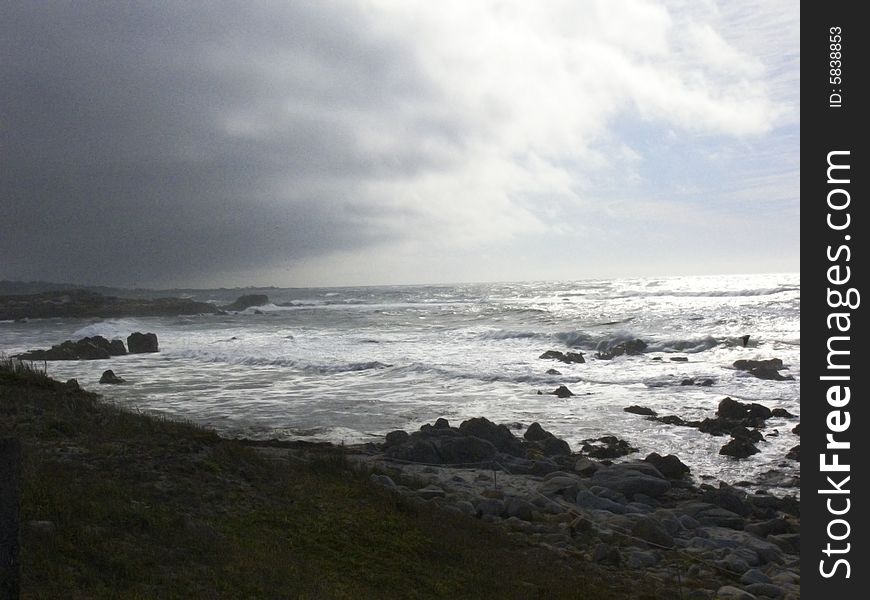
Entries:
{"x":351,"y":364}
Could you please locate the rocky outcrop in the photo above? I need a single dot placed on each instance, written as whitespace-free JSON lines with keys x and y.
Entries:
{"x":140,"y":343}
{"x":764,"y":369}
{"x":562,"y":392}
{"x":629,"y":348}
{"x":90,"y":348}
{"x":565,"y":357}
{"x":608,"y":446}
{"x":247,"y":301}
{"x":669,"y":465}
{"x":640,"y":410}
{"x":109,"y":377}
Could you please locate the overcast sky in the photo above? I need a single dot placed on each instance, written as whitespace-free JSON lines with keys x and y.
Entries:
{"x":204,"y":144}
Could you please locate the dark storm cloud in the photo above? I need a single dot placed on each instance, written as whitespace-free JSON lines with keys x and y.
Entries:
{"x":162,"y":142}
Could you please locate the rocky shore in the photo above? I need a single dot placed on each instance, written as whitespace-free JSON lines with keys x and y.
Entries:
{"x":644,"y":516}
{"x":87,"y":304}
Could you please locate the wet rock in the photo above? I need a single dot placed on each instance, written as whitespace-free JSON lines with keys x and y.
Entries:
{"x":794,"y":453}
{"x":90,"y":348}
{"x":739,"y":448}
{"x":441,"y":423}
{"x":109,"y":377}
{"x":455,"y":450}
{"x":553,"y":372}
{"x":679,"y":359}
{"x":607,"y":446}
{"x":763,"y":369}
{"x":562,"y":392}
{"x":630,"y":348}
{"x":414,"y":449}
{"x":797,"y":429}
{"x":139,"y":343}
{"x":670,"y":466}
{"x":565,"y":357}
{"x":783,"y":413}
{"x":545,"y":442}
{"x":669,"y":420}
{"x":640,"y":410}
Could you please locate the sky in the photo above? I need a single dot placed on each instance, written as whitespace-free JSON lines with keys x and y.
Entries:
{"x":365,"y":142}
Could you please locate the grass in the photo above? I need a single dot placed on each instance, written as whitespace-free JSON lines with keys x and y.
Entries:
{"x":139,"y":506}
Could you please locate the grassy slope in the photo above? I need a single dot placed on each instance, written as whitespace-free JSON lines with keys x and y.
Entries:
{"x":148,"y":508}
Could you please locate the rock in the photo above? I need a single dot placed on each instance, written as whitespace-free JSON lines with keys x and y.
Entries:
{"x":586,"y":467}
{"x":754,"y":576}
{"x":686,"y":382}
{"x":742,"y":541}
{"x":560,"y":486}
{"x":729,"y":592}
{"x":568,"y":358}
{"x":739,"y":448}
{"x":588,"y":500}
{"x":498,"y":435}
{"x":466,"y":507}
{"x":765,"y":590}
{"x":535,"y":433}
{"x":763,"y":369}
{"x":553,"y":372}
{"x":441,"y":423}
{"x":138,"y":343}
{"x":794,"y":453}
{"x":72,"y":385}
{"x":430,"y":492}
{"x":789,"y":543}
{"x":606,"y":555}
{"x":117,"y":348}
{"x":562,"y":392}
{"x":797,"y":429}
{"x":711,"y":515}
{"x":519,"y":508}
{"x":110,"y":377}
{"x":669,"y":420}
{"x":247,"y":301}
{"x":641,"y":559}
{"x":463,"y":450}
{"x":680,"y":359}
{"x":89,"y":348}
{"x":414,"y":449}
{"x":607,"y":446}
{"x":395,"y":438}
{"x":84,"y":304}
{"x":630,"y":481}
{"x":631,"y":347}
{"x":670,"y":466}
{"x":650,"y":530}
{"x":728,"y":498}
{"x":640,"y":410}
{"x":781,"y":412}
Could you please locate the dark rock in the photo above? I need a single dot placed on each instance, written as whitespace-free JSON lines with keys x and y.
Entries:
{"x":116,"y":348}
{"x":744,"y":339}
{"x":394,"y":438}
{"x":247,"y":301}
{"x":680,"y":359}
{"x":562,"y":392}
{"x":629,"y":481}
{"x":686,"y":382}
{"x":606,"y":555}
{"x":568,"y":358}
{"x":670,"y":466}
{"x":669,"y":420}
{"x":631,"y":347}
{"x":498,"y":435}
{"x":138,"y":343}
{"x":640,"y":410}
{"x":535,"y":433}
{"x":87,"y":304}
{"x":650,"y":530}
{"x":797,"y":429}
{"x":709,"y":514}
{"x":414,"y":449}
{"x":519,"y":508}
{"x":608,"y":446}
{"x":464,"y":450}
{"x":586,"y":467}
{"x":706,"y":382}
{"x":763,"y":369}
{"x":739,"y":448}
{"x":728,"y":498}
{"x":553,"y":372}
{"x":72,"y":385}
{"x":794,"y":453}
{"x":441,"y":423}
{"x":110,"y":377}
{"x":781,"y":412}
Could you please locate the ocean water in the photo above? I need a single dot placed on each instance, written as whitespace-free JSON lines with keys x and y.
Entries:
{"x":351,"y":364}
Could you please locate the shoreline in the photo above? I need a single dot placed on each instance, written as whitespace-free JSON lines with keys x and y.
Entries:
{"x":654,"y":538}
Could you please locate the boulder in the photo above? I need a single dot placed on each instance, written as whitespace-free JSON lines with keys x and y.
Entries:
{"x":247,"y":301}
{"x":640,"y":410}
{"x":630,"y":481}
{"x":794,"y":453}
{"x":763,"y":369}
{"x":630,"y":347}
{"x":498,"y":435}
{"x":464,"y":450}
{"x":781,"y":412}
{"x":553,"y":372}
{"x":562,"y":392}
{"x":607,"y":446}
{"x":670,"y":466}
{"x":139,"y":343}
{"x":565,"y":357}
{"x":116,"y":348}
{"x":395,"y":438}
{"x":110,"y":377}
{"x":535,"y":433}
{"x":739,"y":448}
